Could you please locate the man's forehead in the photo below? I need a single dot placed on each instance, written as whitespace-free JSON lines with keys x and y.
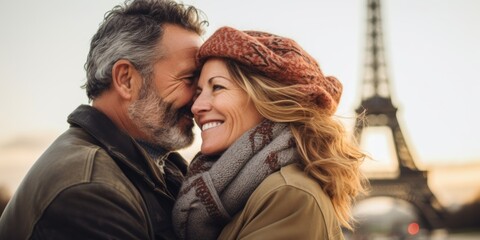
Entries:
{"x":177,"y":39}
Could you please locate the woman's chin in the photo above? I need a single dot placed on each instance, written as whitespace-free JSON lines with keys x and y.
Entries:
{"x":211,"y":150}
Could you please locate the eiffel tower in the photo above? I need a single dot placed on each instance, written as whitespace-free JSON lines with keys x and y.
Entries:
{"x":410,"y":184}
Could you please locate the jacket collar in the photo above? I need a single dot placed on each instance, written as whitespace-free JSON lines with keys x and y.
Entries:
{"x":118,"y":144}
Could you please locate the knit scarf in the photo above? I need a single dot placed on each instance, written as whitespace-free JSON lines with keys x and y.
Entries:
{"x":217,"y":187}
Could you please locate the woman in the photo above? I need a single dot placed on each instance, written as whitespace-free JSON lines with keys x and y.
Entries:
{"x":274,"y":163}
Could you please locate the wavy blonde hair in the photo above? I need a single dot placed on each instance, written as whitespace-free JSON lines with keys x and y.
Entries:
{"x":328,"y":155}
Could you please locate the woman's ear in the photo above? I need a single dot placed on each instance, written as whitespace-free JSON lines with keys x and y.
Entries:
{"x":123,"y":78}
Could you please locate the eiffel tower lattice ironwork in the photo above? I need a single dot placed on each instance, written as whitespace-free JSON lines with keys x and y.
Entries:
{"x":411,"y":183}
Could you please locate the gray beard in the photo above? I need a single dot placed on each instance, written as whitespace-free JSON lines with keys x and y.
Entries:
{"x":159,"y":121}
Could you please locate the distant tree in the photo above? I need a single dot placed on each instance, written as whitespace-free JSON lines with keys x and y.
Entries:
{"x":4,"y":198}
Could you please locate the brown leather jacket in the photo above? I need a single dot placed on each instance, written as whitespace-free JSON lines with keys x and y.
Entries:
{"x":88,"y":185}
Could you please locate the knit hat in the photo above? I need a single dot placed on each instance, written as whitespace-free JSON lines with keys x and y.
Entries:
{"x":276,"y":57}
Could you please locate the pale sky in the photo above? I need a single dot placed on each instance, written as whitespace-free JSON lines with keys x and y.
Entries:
{"x":432,"y":46}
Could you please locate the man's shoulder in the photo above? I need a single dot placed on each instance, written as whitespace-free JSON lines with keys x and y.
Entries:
{"x":73,"y":165}
{"x":75,"y":157}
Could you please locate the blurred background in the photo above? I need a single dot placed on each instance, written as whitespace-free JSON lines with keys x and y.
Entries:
{"x":432,"y":53}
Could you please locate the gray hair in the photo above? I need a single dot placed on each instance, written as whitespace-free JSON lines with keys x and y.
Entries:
{"x":132,"y":32}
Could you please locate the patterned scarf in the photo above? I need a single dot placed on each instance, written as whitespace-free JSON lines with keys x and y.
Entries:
{"x":217,"y":187}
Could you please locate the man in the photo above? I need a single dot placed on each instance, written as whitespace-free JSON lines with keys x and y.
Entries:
{"x":113,"y":174}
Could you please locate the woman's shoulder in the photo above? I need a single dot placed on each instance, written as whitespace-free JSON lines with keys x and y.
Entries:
{"x":293,"y":176}
{"x":287,"y":197}
{"x":292,"y":183}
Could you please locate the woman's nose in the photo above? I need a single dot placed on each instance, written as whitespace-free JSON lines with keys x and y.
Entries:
{"x":201,"y":104}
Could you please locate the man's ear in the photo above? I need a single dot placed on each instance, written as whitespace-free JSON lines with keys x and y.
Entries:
{"x":123,"y":78}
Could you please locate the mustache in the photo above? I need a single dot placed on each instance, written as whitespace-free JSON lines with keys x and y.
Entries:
{"x":178,"y":113}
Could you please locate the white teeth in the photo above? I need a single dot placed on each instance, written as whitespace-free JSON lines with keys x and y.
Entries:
{"x":210,"y":125}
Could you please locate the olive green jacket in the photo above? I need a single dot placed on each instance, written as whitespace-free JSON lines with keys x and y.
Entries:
{"x":83,"y":187}
{"x":286,"y":205}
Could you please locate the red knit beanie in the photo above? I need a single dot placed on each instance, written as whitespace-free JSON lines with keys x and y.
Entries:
{"x":277,"y":57}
